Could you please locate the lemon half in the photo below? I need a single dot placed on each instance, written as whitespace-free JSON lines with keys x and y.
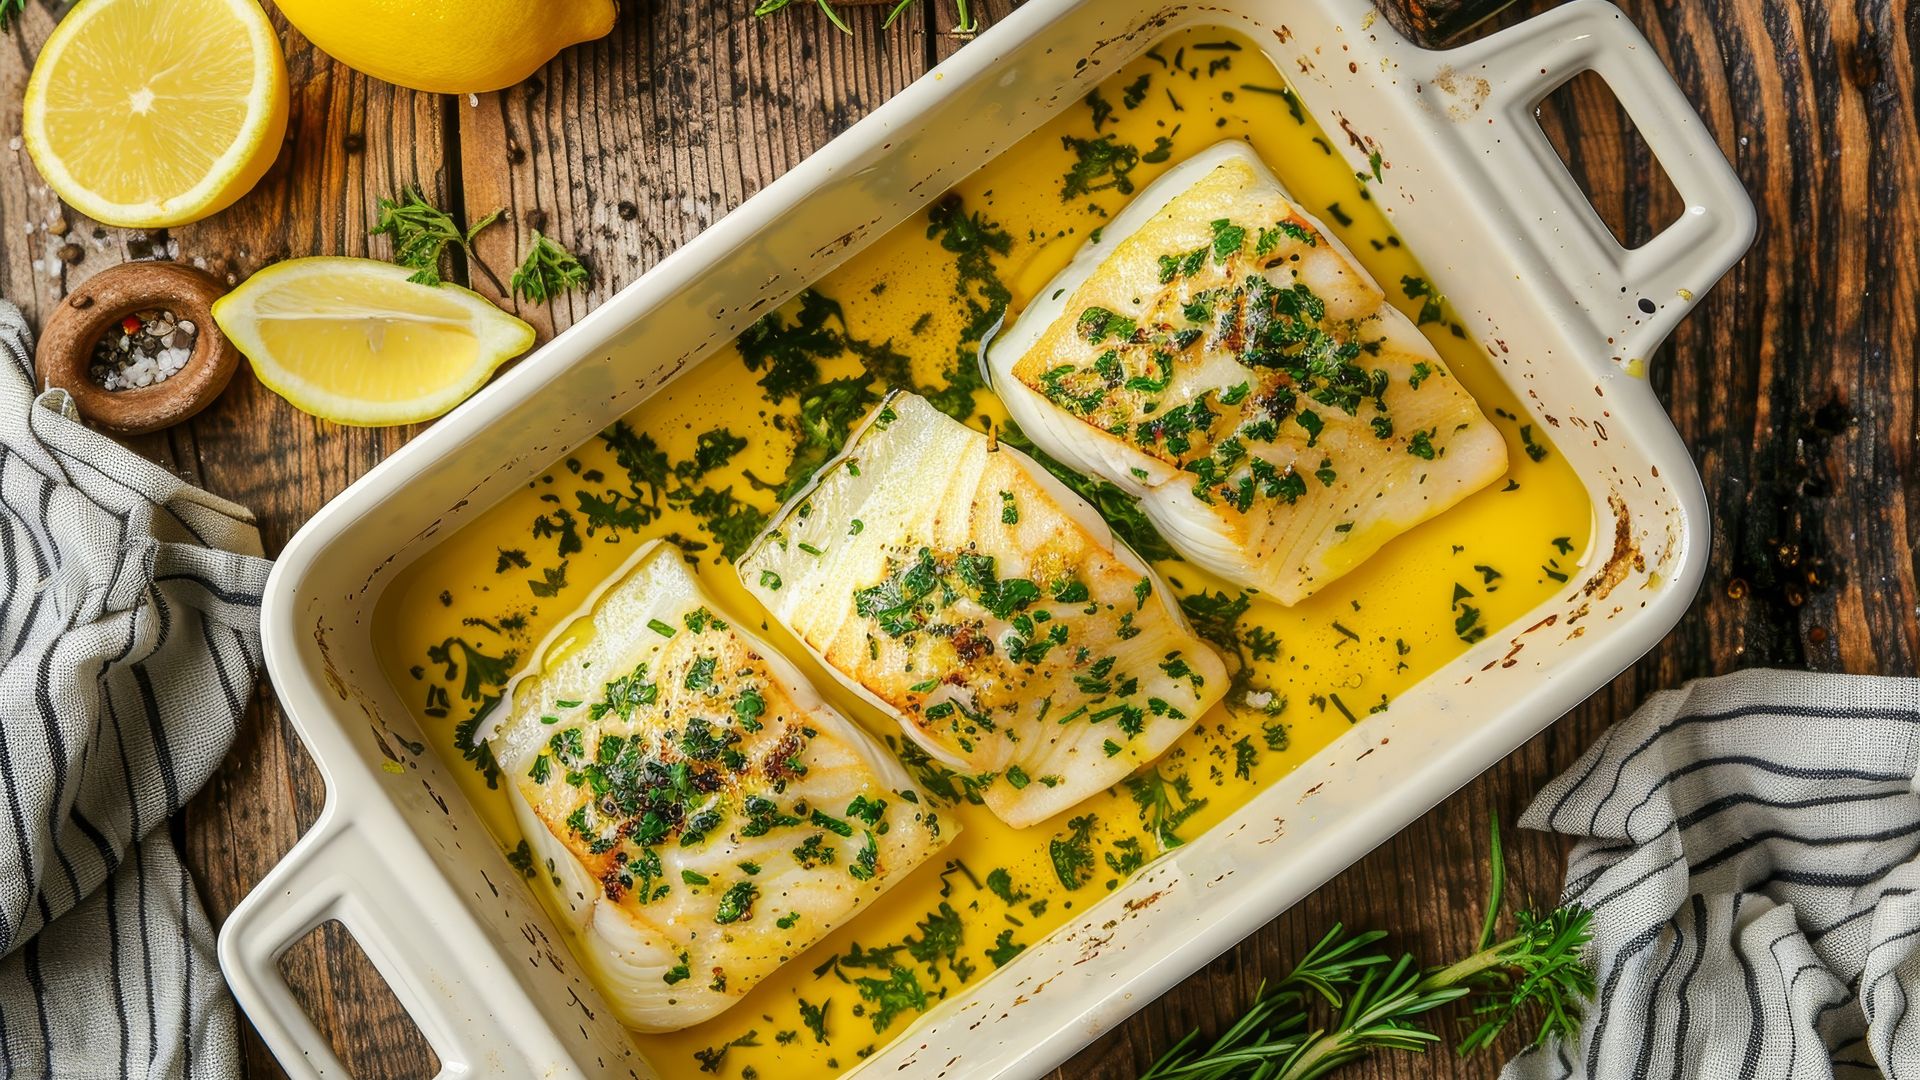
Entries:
{"x":154,"y":113}
{"x":355,"y":342}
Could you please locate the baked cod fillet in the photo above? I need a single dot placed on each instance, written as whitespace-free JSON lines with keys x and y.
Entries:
{"x":1222,"y":357}
{"x":699,"y":812}
{"x":956,"y":585}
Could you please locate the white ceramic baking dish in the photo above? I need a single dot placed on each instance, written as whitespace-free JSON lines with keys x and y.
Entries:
{"x":398,"y":855}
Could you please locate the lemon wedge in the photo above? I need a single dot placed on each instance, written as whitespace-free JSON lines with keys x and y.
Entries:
{"x":354,"y":341}
{"x":154,"y":113}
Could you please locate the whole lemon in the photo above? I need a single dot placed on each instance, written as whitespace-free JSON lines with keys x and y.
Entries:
{"x":448,"y":46}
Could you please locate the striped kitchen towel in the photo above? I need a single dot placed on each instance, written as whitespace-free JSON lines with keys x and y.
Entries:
{"x":129,"y":645}
{"x":1748,"y":847}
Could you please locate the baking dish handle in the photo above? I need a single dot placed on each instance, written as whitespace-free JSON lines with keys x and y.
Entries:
{"x":333,"y":873}
{"x":1632,"y":297}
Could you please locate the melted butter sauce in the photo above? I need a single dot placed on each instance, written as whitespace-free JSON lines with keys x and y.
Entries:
{"x":455,"y":625}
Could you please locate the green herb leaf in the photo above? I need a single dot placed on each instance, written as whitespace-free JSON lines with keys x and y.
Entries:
{"x":421,"y":232}
{"x":736,"y":903}
{"x":815,"y":1018}
{"x":1100,"y":164}
{"x":1431,"y":302}
{"x":964,"y":21}
{"x":1072,"y":854}
{"x":548,"y":271}
{"x":1166,"y":803}
{"x":889,"y":997}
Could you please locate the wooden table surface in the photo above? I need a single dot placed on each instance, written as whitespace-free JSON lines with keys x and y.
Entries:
{"x":1794,"y":383}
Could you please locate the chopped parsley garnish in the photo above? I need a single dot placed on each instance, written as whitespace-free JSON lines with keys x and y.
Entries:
{"x":893,"y":602}
{"x":1245,"y":757}
{"x":1535,"y":451}
{"x":1000,"y":883}
{"x":624,"y":695}
{"x":815,"y":1018}
{"x":548,"y":271}
{"x":700,"y":673}
{"x":867,"y":810}
{"x":1072,"y":854}
{"x":1228,"y":239}
{"x":1100,"y":164}
{"x":887,"y":998}
{"x":1101,"y":108}
{"x":1127,"y":856}
{"x":736,"y":903}
{"x":866,"y":862}
{"x":815,"y":851}
{"x":1165,"y":804}
{"x":1311,"y":423}
{"x":830,"y":823}
{"x":1419,"y":288}
{"x":711,"y":1058}
{"x":1004,"y":949}
{"x":748,"y":708}
{"x":712,"y":450}
{"x":521,"y":859}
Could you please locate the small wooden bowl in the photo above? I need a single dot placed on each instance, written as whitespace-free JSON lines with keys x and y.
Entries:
{"x":65,"y":355}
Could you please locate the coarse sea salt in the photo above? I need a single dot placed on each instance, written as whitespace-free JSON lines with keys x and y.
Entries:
{"x":147,"y":370}
{"x":149,"y":347}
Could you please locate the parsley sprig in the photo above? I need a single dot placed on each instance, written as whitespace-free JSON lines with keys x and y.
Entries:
{"x":9,"y":11}
{"x":422,"y":233}
{"x":964,"y":21}
{"x":1221,"y":619}
{"x":1347,"y":998}
{"x":548,"y":271}
{"x":1165,"y":802}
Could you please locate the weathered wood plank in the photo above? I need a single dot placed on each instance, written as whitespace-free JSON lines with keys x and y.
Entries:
{"x":625,"y":148}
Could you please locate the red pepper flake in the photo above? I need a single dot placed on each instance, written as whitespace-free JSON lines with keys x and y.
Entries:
{"x":131,"y":324}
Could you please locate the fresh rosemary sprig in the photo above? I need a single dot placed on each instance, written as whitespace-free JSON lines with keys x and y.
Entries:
{"x":1378,"y":1003}
{"x":964,"y":21}
{"x":9,"y":11}
{"x":548,"y":271}
{"x":768,"y":7}
{"x":422,"y":233}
